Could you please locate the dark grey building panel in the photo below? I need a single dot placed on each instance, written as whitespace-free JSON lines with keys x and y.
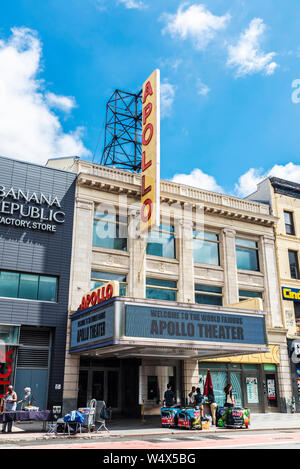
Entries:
{"x":39,"y":252}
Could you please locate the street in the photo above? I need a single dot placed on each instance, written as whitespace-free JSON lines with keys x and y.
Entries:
{"x":273,"y":439}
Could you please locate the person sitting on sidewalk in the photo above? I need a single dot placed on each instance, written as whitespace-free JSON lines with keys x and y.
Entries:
{"x":27,"y":398}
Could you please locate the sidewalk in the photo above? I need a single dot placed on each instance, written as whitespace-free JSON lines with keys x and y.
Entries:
{"x":135,"y":428}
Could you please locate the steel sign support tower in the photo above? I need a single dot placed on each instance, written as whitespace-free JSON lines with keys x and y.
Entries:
{"x":123,"y":131}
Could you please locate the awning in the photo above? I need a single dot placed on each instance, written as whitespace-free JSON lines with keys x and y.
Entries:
{"x":127,"y":327}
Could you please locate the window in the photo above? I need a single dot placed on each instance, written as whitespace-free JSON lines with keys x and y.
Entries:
{"x":162,"y":242}
{"x":99,"y":278}
{"x":297,"y":316}
{"x":110,"y":230}
{"x":152,"y":388}
{"x":28,"y":286}
{"x":219,"y":380}
{"x":289,"y":223}
{"x":246,"y":294}
{"x":294,"y":265}
{"x":47,"y":288}
{"x":160,"y":289}
{"x":208,"y":295}
{"x":247,"y":254}
{"x":206,"y":248}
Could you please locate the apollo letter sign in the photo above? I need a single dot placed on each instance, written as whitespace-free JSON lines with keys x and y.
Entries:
{"x":150,"y":191}
{"x":100,"y":294}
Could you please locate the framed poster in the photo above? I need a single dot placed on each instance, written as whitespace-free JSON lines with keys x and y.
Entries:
{"x":252,"y":390}
{"x":271,"y":390}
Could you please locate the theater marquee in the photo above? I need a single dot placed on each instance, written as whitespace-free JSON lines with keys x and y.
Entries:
{"x":138,"y":328}
{"x":150,"y":191}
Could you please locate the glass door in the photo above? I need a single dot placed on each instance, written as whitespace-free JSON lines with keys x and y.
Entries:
{"x":101,"y":384}
{"x":98,"y":385}
{"x":82,"y":388}
{"x":235,"y":381}
{"x":271,"y":393}
{"x":253,"y":391}
{"x":112,"y":389}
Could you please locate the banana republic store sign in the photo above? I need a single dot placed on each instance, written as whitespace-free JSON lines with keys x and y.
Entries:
{"x":30,"y":210}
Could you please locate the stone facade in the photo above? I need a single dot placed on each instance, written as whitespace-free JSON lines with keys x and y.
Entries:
{"x":229,"y":217}
{"x":284,"y":196}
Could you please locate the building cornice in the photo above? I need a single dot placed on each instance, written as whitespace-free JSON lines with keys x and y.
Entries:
{"x":124,"y":182}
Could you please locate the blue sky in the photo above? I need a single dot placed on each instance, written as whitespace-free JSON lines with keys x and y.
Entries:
{"x":229,"y":74}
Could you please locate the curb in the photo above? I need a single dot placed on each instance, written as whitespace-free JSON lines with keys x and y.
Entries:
{"x":86,"y":436}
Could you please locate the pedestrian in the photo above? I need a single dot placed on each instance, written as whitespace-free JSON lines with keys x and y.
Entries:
{"x":10,"y":405}
{"x":169,"y":396}
{"x":213,"y":406}
{"x":191,"y":396}
{"x":27,"y":398}
{"x":229,"y":399}
{"x":199,"y":401}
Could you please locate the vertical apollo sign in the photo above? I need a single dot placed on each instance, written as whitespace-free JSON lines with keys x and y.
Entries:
{"x":150,"y":191}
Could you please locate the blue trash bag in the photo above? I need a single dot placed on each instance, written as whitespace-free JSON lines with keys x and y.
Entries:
{"x":74,"y":416}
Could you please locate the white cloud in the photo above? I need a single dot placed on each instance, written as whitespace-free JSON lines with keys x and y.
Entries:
{"x":132,"y":4}
{"x":64,"y":103}
{"x":29,"y":129}
{"x":194,"y":22}
{"x":202,"y":88}
{"x":167,"y":96}
{"x":198,"y":178}
{"x":247,"y":183}
{"x":173,"y":63}
{"x":246,"y":56}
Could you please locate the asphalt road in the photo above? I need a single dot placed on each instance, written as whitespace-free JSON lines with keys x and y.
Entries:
{"x":285,"y":439}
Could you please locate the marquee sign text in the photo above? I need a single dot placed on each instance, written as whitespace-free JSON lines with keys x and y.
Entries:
{"x":150,"y":191}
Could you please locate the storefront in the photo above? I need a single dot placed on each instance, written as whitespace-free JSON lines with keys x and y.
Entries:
{"x":9,"y":339}
{"x":255,"y":386}
{"x":291,"y":297}
{"x":294,"y":355}
{"x":36,"y":225}
{"x":130,"y":350}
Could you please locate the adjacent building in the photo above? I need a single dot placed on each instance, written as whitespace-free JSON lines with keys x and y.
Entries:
{"x":36,"y":224}
{"x":284,"y":200}
{"x":201,"y":292}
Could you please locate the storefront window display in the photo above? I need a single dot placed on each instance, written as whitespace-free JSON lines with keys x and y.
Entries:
{"x":298,"y":381}
{"x":247,"y":380}
{"x":9,"y":337}
{"x":219,"y":381}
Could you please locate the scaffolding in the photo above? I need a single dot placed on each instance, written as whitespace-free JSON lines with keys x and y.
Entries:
{"x":123,"y":131}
